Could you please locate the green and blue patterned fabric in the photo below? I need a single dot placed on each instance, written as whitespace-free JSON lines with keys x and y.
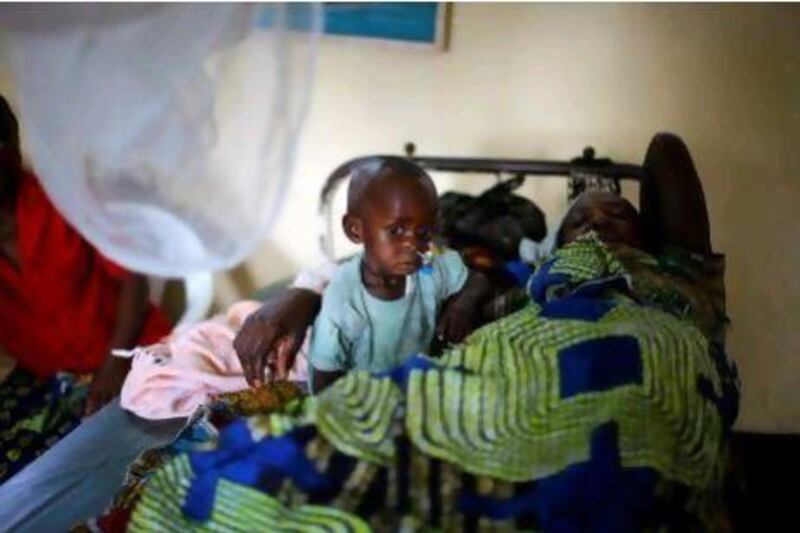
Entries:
{"x":35,"y":413}
{"x":586,"y":409}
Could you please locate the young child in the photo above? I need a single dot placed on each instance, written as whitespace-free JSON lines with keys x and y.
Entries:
{"x":382,"y":305}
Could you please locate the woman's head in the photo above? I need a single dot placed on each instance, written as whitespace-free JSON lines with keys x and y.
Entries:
{"x":612,"y":217}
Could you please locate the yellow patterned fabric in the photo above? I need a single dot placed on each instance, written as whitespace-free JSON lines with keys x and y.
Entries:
{"x":494,"y":406}
{"x":358,"y":416}
{"x":238,"y":508}
{"x":503,"y":415}
{"x":264,"y":399}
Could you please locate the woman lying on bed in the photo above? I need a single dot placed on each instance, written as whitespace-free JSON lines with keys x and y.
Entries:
{"x":673,"y":221}
{"x":603,"y":403}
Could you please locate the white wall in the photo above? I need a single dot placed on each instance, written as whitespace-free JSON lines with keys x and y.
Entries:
{"x":542,"y":81}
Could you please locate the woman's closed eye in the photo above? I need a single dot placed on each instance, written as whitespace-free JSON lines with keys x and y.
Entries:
{"x":617,"y":212}
{"x":577,"y":221}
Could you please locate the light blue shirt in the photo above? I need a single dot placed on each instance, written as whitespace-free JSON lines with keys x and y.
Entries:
{"x":357,"y":331}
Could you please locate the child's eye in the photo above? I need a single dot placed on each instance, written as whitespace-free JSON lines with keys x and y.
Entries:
{"x":395,"y":231}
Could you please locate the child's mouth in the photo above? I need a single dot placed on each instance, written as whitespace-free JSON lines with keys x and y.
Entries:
{"x":409,"y":265}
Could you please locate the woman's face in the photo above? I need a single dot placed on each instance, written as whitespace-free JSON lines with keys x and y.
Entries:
{"x":612,"y":217}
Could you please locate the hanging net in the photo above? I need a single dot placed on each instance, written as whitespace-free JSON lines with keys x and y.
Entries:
{"x":164,"y":132}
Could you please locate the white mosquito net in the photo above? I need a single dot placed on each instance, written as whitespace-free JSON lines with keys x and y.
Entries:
{"x":164,"y":132}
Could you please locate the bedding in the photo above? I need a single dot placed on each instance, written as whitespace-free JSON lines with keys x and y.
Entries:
{"x":605,"y":402}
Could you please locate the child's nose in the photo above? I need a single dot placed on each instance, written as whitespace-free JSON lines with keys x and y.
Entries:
{"x":409,"y":240}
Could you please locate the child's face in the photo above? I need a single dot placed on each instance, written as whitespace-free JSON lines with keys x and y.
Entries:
{"x":396,"y":226}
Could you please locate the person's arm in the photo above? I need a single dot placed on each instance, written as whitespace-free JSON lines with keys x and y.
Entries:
{"x":322,"y":379}
{"x":271,"y":336}
{"x":672,"y":203}
{"x":131,"y":313}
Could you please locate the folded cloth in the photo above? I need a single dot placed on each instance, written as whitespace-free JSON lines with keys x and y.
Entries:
{"x":191,"y":367}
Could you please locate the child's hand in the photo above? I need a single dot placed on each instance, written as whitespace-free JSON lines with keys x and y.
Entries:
{"x":462,"y":314}
{"x":458,"y":319}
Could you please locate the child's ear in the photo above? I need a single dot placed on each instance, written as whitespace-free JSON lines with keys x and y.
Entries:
{"x":353,"y":228}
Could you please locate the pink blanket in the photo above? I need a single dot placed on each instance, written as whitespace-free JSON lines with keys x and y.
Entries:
{"x":191,"y":366}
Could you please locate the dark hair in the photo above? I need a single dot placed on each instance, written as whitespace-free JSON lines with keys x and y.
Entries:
{"x":363,"y":170}
{"x":373,"y":169}
{"x":9,"y":126}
